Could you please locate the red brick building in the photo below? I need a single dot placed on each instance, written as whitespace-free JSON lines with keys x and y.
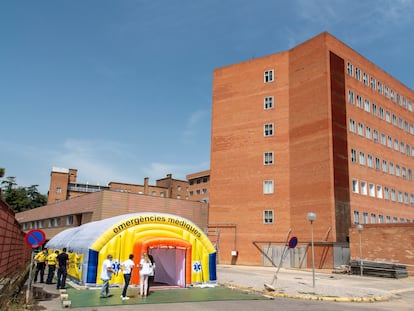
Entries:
{"x":60,"y":216}
{"x":317,"y":128}
{"x":64,"y":186}
{"x":199,"y":186}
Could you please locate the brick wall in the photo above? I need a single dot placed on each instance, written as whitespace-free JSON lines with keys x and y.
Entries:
{"x":386,"y":243}
{"x":14,"y":254}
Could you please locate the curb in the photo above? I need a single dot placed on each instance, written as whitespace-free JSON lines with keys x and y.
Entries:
{"x":271,"y":294}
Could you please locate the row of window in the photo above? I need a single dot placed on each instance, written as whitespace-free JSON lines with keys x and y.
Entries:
{"x":380,"y":192}
{"x":385,"y":140}
{"x":379,"y":112}
{"x":268,"y":218}
{"x":383,"y":165}
{"x":198,"y":180}
{"x":197,"y":192}
{"x":51,"y":223}
{"x":380,"y":220}
{"x":375,"y":85}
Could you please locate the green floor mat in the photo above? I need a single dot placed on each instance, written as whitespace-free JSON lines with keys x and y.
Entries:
{"x":90,"y":298}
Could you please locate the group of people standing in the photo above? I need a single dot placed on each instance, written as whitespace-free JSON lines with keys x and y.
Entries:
{"x":53,"y":260}
{"x":146,"y":273}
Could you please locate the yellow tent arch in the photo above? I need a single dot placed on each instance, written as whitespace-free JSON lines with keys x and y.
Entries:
{"x":194,"y":257}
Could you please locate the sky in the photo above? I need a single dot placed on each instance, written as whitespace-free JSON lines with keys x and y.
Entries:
{"x":122,"y":90}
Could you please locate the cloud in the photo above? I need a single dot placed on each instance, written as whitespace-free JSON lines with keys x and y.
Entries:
{"x":100,"y":161}
{"x":370,"y":19}
{"x":194,"y":122}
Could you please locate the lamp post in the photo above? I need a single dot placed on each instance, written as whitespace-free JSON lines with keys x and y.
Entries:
{"x":311,"y":218}
{"x":360,"y":228}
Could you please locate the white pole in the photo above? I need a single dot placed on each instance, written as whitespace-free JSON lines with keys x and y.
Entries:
{"x":313,"y":259}
{"x":29,"y":281}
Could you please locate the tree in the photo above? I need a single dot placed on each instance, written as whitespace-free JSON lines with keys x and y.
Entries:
{"x":20,"y":198}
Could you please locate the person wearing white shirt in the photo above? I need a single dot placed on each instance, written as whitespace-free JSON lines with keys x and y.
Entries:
{"x":106,"y":275}
{"x":145,"y":269}
{"x":127,"y":267}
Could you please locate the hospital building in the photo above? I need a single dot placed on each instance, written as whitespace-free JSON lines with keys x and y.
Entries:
{"x":314,"y":129}
{"x":317,"y":128}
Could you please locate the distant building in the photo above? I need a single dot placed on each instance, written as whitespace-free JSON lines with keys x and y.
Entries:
{"x":99,"y":205}
{"x":199,"y":186}
{"x":317,"y":128}
{"x":64,"y":186}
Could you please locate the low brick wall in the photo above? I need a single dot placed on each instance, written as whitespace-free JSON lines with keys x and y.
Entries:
{"x":390,"y":243}
{"x":14,"y":256}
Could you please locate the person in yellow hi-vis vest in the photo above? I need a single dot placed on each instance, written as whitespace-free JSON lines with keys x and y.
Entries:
{"x":51,"y":263}
{"x":40,"y":260}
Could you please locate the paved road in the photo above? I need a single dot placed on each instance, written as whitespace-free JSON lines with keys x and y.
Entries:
{"x":395,"y":294}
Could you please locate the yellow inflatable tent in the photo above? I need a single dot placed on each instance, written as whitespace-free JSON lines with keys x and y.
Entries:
{"x":183,"y":254}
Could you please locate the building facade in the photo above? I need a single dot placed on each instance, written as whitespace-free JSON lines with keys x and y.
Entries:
{"x":64,"y":186}
{"x":317,"y":128}
{"x":53,"y":219}
{"x":199,"y":186}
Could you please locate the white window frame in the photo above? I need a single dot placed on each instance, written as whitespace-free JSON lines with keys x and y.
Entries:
{"x":355,"y":186}
{"x":350,"y":97}
{"x":368,"y":132}
{"x":386,"y":193}
{"x":352,"y":126}
{"x":268,"y":217}
{"x":373,"y":83}
{"x":365,"y":78}
{"x":356,"y":217}
{"x":350,"y":69}
{"x":362,"y":158}
{"x":268,"y":76}
{"x":268,"y":158}
{"x":268,"y":187}
{"x":392,"y":171}
{"x":383,"y":139}
{"x":353,"y":156}
{"x":379,"y":192}
{"x":371,"y":190}
{"x":365,"y":217}
{"x":384,"y":166}
{"x":364,"y":189}
{"x":367,"y":105}
{"x":268,"y":129}
{"x":359,"y":101}
{"x":360,"y":129}
{"x":358,"y":74}
{"x":370,"y":162}
{"x":268,"y":102}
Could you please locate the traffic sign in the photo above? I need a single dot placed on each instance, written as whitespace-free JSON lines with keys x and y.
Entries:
{"x":35,"y":238}
{"x":293,"y":242}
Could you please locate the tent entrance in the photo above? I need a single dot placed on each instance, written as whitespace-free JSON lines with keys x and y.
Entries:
{"x":170,"y":266}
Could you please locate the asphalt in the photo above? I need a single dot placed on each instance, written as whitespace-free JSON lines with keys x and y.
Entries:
{"x":289,"y":283}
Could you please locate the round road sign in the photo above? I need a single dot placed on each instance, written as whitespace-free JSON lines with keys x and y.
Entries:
{"x":35,"y":238}
{"x":293,"y":242}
